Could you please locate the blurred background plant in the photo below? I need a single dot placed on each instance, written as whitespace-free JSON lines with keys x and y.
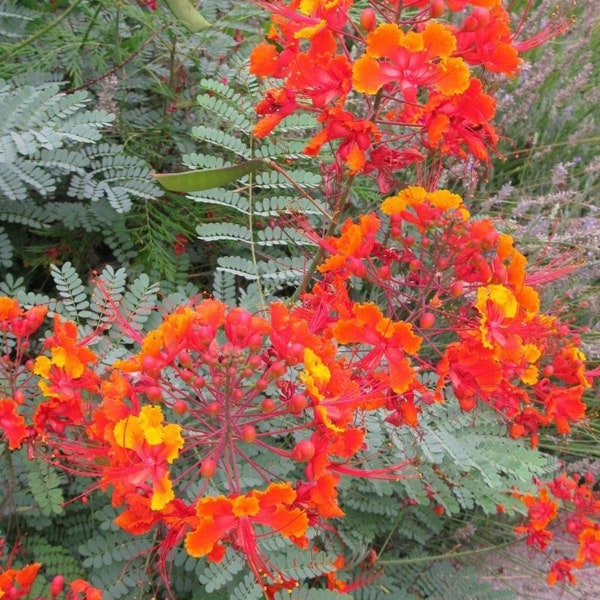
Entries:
{"x":546,"y":184}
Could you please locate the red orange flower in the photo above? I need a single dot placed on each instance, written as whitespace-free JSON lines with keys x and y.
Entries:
{"x":220,"y":520}
{"x":410,"y":61}
{"x":12,"y":424}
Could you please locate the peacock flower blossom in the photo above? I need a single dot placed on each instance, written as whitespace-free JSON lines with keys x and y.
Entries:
{"x":277,"y":105}
{"x":139,"y":517}
{"x":265,"y":61}
{"x":473,"y":372}
{"x":589,"y":546}
{"x":541,"y":511}
{"x":325,"y":81}
{"x":562,"y":570}
{"x":569,"y":366}
{"x":64,"y":378}
{"x":9,"y":309}
{"x":452,"y":123}
{"x":12,"y":424}
{"x":392,"y":339}
{"x":565,"y":406}
{"x":17,"y":583}
{"x":69,"y":356}
{"x":221,"y":520}
{"x":354,"y":244}
{"x":490,"y":43}
{"x":307,"y":19}
{"x":410,"y":61}
{"x":454,"y":5}
{"x":152,"y":446}
{"x":321,"y":495}
{"x":414,"y":196}
{"x":357,"y":135}
{"x":498,"y":308}
{"x":21,"y":323}
{"x":79,"y":588}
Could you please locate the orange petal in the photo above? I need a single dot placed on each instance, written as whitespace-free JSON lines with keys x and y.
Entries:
{"x":438,"y":40}
{"x":384,"y":41}
{"x":264,"y":60}
{"x":366,"y":75}
{"x":454,"y":77}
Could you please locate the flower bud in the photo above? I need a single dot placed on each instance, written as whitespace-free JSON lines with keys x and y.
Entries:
{"x":368,"y":19}
{"x":208,"y":467}
{"x":303,"y":451}
{"x":427,"y":320}
{"x":437,"y":9}
{"x":248,"y":434}
{"x":57,"y":585}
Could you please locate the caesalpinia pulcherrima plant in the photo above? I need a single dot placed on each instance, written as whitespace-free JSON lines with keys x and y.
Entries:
{"x":226,"y":426}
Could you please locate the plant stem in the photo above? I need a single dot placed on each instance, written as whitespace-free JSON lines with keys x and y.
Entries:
{"x":333,"y":223}
{"x":38,"y":34}
{"x":446,"y":555}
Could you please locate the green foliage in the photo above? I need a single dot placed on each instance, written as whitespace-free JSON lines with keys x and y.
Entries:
{"x":443,"y":581}
{"x":54,"y":177}
{"x":114,"y":177}
{"x":216,"y":576}
{"x":41,"y":129}
{"x":467,"y":460}
{"x":45,"y":484}
{"x":302,"y":565}
{"x":113,"y":561}
{"x":250,"y":216}
{"x":55,"y":557}
{"x":308,"y":594}
{"x":70,"y":288}
{"x":94,"y":98}
{"x":247,"y":589}
{"x":136,"y":65}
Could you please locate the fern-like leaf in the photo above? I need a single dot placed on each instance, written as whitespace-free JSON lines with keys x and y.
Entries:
{"x":224,"y":231}
{"x":247,"y":589}
{"x":236,"y":265}
{"x":26,"y":213}
{"x":106,"y":296}
{"x":226,"y":111}
{"x":14,"y":20}
{"x":70,"y":288}
{"x":55,"y":557}
{"x":222,"y":140}
{"x":216,"y":576}
{"x":226,"y":91}
{"x":276,"y":180}
{"x":6,"y":249}
{"x":113,"y":176}
{"x":311,"y":594}
{"x":43,"y":117}
{"x":45,"y":486}
{"x":222,"y":197}
{"x":139,"y":301}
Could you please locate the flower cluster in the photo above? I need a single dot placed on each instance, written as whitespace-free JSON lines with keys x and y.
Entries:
{"x":465,"y":286}
{"x":393,"y":93}
{"x":176,"y":430}
{"x":17,"y":583}
{"x":578,"y":521}
{"x":223,"y":426}
{"x":17,"y":326}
